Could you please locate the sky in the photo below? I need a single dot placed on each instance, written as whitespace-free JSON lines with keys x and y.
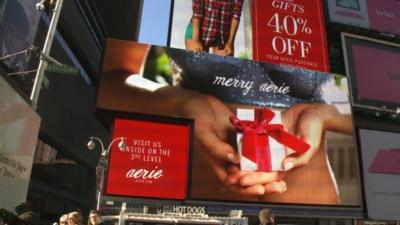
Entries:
{"x":154,"y":23}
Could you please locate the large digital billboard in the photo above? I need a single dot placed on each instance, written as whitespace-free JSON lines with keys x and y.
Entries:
{"x":375,"y":83}
{"x":263,"y":133}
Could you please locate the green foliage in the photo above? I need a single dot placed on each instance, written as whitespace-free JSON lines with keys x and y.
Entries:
{"x":163,"y":65}
{"x":245,"y":54}
{"x":338,"y":80}
{"x":158,"y":66}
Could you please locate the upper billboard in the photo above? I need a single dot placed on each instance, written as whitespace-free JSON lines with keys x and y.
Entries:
{"x":263,"y":133}
{"x":274,"y":31}
{"x":19,"y":21}
{"x":349,"y":12}
{"x":220,"y":27}
{"x":381,"y":15}
{"x":384,"y":15}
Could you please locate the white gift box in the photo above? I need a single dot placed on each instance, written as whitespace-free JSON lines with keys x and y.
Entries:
{"x":277,"y":151}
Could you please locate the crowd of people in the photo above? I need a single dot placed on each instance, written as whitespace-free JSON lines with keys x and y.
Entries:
{"x":71,"y":218}
{"x":76,"y":218}
{"x":27,"y":217}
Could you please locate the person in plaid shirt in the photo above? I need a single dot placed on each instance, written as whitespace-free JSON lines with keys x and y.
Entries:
{"x":213,"y":25}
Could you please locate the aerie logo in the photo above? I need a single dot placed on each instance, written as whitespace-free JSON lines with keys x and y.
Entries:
{"x":144,"y":174}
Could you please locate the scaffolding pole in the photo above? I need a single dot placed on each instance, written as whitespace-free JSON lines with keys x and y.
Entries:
{"x":45,"y":53}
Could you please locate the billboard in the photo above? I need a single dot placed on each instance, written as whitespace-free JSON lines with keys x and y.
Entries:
{"x":377,"y":15}
{"x":363,"y":69}
{"x":263,"y":133}
{"x":19,"y":21}
{"x":280,"y":32}
{"x":384,"y":16}
{"x":154,"y":162}
{"x":380,"y":151}
{"x":19,"y":129}
{"x":353,"y":12}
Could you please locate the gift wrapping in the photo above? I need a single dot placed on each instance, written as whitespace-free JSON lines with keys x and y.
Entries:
{"x":262,"y":140}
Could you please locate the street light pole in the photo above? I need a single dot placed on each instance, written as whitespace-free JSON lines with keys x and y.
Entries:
{"x":104,"y":160}
{"x":46,"y":51}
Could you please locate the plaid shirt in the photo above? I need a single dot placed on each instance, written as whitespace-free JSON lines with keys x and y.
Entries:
{"x":216,"y":17}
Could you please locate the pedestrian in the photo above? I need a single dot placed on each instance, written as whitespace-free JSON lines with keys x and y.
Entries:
{"x":266,"y":217}
{"x":95,"y":218}
{"x":75,"y":218}
{"x":63,"y":219}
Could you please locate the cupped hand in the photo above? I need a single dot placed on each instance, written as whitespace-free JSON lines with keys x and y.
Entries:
{"x":306,"y":121}
{"x":211,"y":132}
{"x":309,"y":122}
{"x":255,"y":182}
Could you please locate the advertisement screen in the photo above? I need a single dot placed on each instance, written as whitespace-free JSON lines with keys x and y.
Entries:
{"x":352,"y":4}
{"x":381,"y":15}
{"x":352,"y":12}
{"x":290,"y":32}
{"x":376,"y":82}
{"x":263,"y":133}
{"x":274,"y":31}
{"x":384,"y":15}
{"x":380,"y":152}
{"x":154,"y":162}
{"x":19,"y":21}
{"x":19,"y":129}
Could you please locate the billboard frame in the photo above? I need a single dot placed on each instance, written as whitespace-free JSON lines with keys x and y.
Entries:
{"x":347,"y":40}
{"x":156,"y":119}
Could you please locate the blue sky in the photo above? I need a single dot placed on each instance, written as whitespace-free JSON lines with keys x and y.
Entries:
{"x":155,"y":20}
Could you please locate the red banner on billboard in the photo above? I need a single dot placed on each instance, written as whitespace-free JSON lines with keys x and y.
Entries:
{"x":153,"y":164}
{"x":290,"y":32}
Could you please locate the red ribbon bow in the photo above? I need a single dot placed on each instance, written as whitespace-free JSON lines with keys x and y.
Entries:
{"x":255,"y":144}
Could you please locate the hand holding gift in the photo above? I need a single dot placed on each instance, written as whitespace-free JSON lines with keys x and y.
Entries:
{"x":262,"y":140}
{"x":306,"y":121}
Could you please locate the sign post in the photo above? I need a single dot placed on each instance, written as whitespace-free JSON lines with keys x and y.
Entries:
{"x":46,"y":51}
